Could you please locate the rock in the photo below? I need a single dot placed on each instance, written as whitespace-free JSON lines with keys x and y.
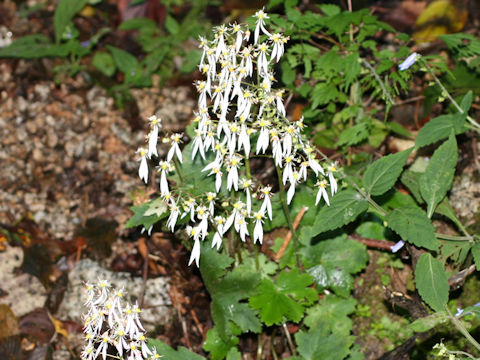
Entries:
{"x":24,"y":292}
{"x":156,"y":309}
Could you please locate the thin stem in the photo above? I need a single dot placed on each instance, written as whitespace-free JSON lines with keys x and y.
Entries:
{"x":447,"y":94}
{"x":259,"y":346}
{"x":286,"y":212}
{"x":289,"y":340}
{"x":453,"y":237}
{"x":458,"y":324}
{"x":380,"y":82}
{"x":369,"y":199}
{"x":247,"y":168}
{"x":178,"y":169}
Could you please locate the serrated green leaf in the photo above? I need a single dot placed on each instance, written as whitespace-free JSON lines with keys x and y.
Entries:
{"x":476,"y":255}
{"x":413,"y":225}
{"x":228,"y":292}
{"x":330,"y":9}
{"x":168,"y":353}
{"x":333,"y":312}
{"x":354,"y":135}
{"x":217,"y":346}
{"x":383,"y":173}
{"x":234,"y":354}
{"x":344,"y":208}
{"x":432,"y":282}
{"x":139,"y":217}
{"x":64,"y":13}
{"x":438,"y":176}
{"x":319,"y":343}
{"x":335,"y":279}
{"x":285,"y":299}
{"x":428,"y":322}
{"x":440,"y":128}
{"x":398,"y":129}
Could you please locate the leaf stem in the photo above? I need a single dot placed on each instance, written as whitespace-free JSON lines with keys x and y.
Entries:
{"x":178,"y":169}
{"x":380,"y":82}
{"x":286,"y":212}
{"x":289,"y":340}
{"x":447,"y":94}
{"x":458,"y":324}
{"x":453,"y":237}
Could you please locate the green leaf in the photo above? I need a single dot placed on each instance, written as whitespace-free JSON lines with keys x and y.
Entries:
{"x":284,"y":300}
{"x":354,"y":135}
{"x":411,"y":179}
{"x":413,"y":225}
{"x":440,"y":128}
{"x":288,"y":73}
{"x":137,"y":23}
{"x":139,"y":214}
{"x":398,"y":129}
{"x":467,"y":102}
{"x":172,"y":25}
{"x":330,"y":9}
{"x":319,"y":343}
{"x":125,"y":61}
{"x":344,"y":208}
{"x":234,"y":354}
{"x":383,"y":173}
{"x":33,"y":47}
{"x":428,"y":322}
{"x":64,"y":13}
{"x":438,"y":176}
{"x":228,"y":292}
{"x":104,"y":63}
{"x":331,"y":262}
{"x":333,"y":312}
{"x":167,"y":353}
{"x":476,"y":255}
{"x":432,"y":282}
{"x":217,"y":345}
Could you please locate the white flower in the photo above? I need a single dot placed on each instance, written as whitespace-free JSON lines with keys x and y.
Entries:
{"x":262,"y":62}
{"x":143,"y":169}
{"x":263,"y":137}
{"x":241,"y":227}
{"x":232,"y":168}
{"x":291,"y":189}
{"x":175,"y":148}
{"x":155,"y":124}
{"x":278,"y":42}
{"x":288,"y":171}
{"x":172,"y":219}
{"x":217,"y":237}
{"x":198,"y":145}
{"x":409,"y":61}
{"x":164,"y":167}
{"x":195,"y":255}
{"x":246,"y":185}
{"x":261,"y":16}
{"x":265,"y":193}
{"x":258,"y":230}
{"x":322,"y":192}
{"x":333,"y":182}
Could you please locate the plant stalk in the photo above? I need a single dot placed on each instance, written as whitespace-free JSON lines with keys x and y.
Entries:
{"x":286,"y":212}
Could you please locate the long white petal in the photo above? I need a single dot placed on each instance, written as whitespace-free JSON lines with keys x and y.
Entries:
{"x":195,"y":255}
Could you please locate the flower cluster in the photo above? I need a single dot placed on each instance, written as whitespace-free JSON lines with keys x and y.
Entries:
{"x":112,"y":324}
{"x":240,"y":115}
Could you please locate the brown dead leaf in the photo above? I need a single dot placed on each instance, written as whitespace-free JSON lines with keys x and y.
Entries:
{"x":38,"y":325}
{"x":59,"y":327}
{"x":8,"y":321}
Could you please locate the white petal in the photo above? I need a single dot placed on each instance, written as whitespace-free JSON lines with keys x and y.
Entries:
{"x":195,"y":255}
